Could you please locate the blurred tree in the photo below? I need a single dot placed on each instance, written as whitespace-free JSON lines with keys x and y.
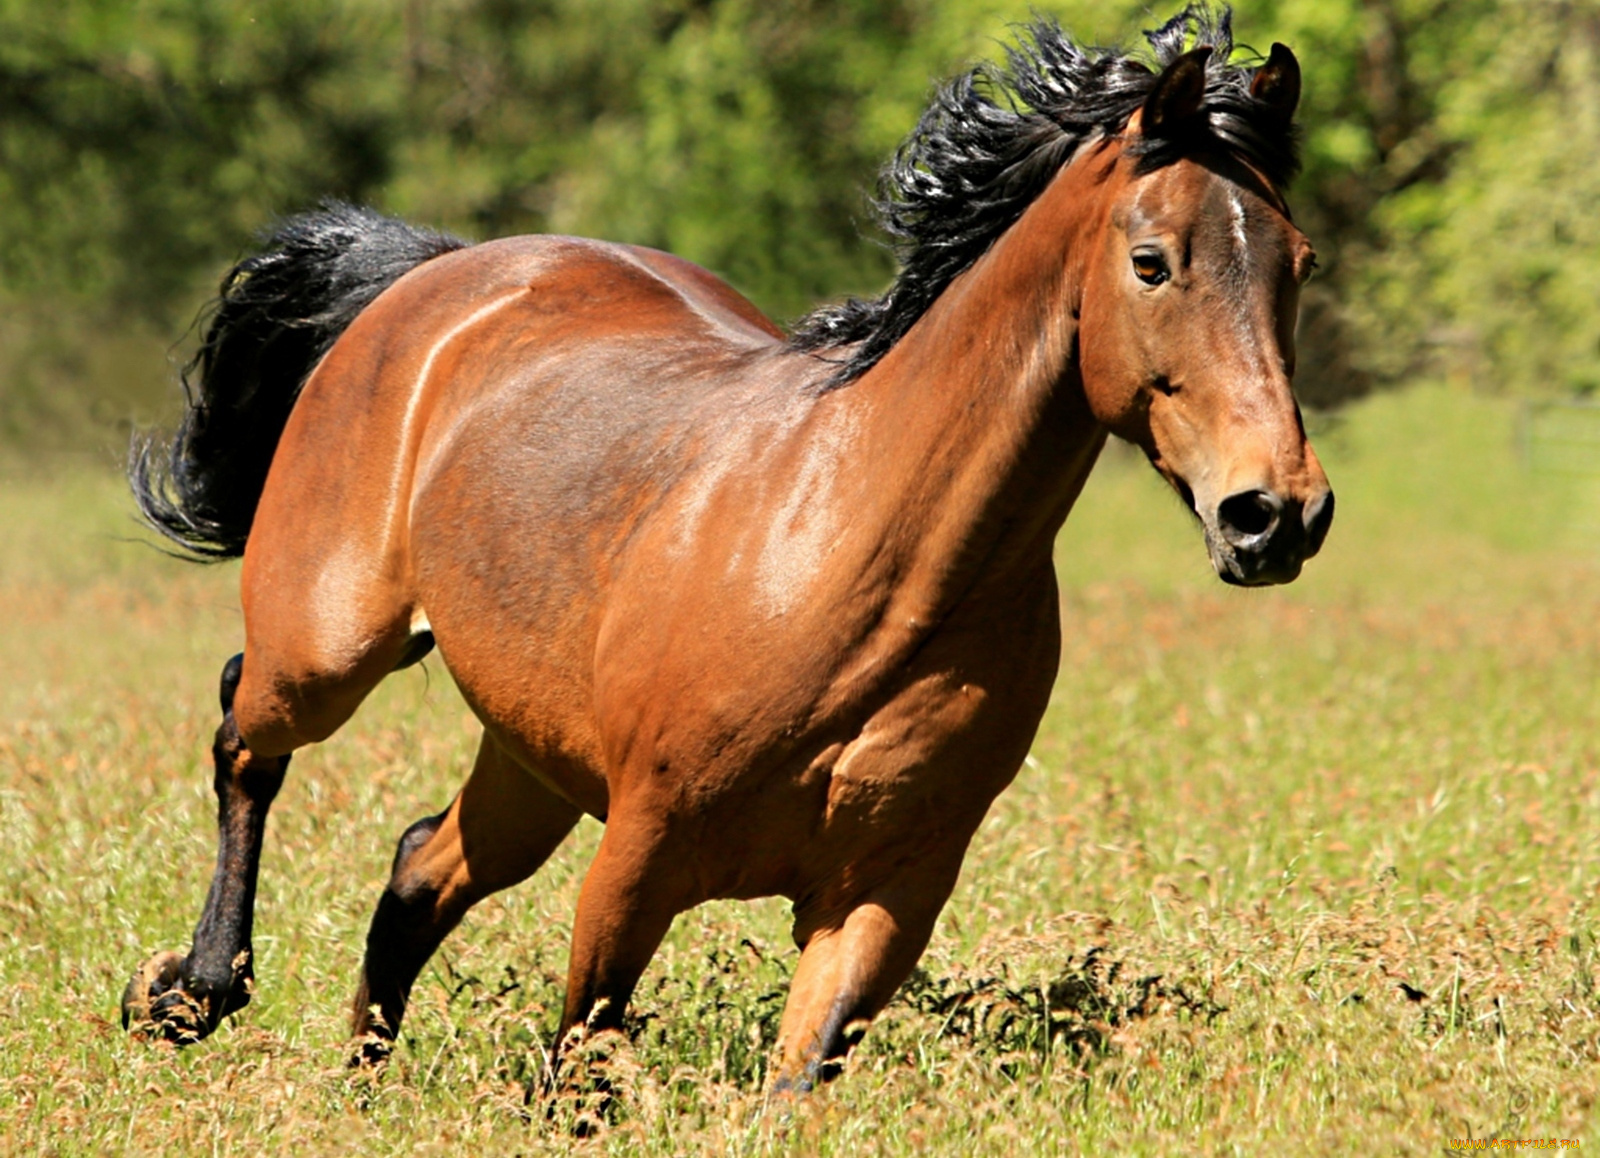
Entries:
{"x":140,"y":147}
{"x":138,"y":142}
{"x":746,"y":153}
{"x":1488,"y":272}
{"x":141,"y":144}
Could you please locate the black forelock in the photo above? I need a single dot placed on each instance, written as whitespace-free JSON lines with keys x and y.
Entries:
{"x":993,"y":138}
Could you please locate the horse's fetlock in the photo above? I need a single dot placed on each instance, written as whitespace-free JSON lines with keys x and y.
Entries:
{"x":209,"y":988}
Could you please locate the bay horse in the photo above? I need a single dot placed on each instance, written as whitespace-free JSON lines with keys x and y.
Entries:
{"x":780,"y":610}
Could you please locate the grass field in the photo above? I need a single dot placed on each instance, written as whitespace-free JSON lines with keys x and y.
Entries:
{"x":1315,"y":868}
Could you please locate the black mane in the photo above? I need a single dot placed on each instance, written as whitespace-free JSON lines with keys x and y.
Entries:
{"x":992,"y":140}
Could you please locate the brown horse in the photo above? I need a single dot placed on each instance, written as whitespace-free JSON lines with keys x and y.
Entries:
{"x":780,"y":611}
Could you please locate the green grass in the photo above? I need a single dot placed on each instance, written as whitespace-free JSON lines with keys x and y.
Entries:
{"x":1315,"y":868}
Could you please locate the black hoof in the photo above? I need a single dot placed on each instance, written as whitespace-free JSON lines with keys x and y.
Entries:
{"x":155,"y":1005}
{"x":160,"y":1002}
{"x":149,"y":981}
{"x":372,"y":1052}
{"x":579,"y":1093}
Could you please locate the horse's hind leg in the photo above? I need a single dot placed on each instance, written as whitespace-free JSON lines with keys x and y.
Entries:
{"x":499,"y":829}
{"x":184,"y":998}
{"x":270,"y":707}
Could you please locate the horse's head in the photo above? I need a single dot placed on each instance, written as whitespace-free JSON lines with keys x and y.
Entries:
{"x":1187,"y":327}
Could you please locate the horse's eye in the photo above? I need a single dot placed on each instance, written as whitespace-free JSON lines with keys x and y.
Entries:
{"x":1150,"y":268}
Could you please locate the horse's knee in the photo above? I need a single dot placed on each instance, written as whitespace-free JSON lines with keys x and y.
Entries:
{"x":412,"y":840}
{"x":424,"y":896}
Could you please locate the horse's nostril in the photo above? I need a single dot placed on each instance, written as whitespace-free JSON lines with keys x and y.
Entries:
{"x":1248,"y":515}
{"x":1318,"y":518}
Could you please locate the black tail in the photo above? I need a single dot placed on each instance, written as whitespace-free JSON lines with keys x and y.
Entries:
{"x":275,"y":316}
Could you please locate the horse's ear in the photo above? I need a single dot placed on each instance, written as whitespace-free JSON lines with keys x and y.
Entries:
{"x":1178,"y":94}
{"x":1277,"y":84}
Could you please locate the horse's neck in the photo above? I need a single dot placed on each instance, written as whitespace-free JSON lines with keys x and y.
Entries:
{"x":980,"y":409}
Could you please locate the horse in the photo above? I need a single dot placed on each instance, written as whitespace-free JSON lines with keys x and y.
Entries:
{"x":780,"y":610}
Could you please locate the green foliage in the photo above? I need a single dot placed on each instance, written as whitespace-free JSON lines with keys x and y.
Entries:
{"x":142,"y":145}
{"x":1493,"y":267}
{"x":743,"y":150}
{"x":139,"y":142}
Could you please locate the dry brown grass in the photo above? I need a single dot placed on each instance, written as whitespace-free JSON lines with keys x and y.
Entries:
{"x":1310,"y":869}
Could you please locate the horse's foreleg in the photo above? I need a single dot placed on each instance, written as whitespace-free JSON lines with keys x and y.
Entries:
{"x":185,"y":998}
{"x":630,"y":896}
{"x":502,"y":826}
{"x":849,"y":970}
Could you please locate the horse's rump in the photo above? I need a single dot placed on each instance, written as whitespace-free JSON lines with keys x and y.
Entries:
{"x":582,"y":370}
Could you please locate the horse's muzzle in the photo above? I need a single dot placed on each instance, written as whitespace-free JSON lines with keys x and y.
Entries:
{"x":1258,"y":537}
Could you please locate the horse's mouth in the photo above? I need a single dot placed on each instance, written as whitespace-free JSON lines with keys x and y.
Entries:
{"x":1243,"y":569}
{"x":1263,"y":560}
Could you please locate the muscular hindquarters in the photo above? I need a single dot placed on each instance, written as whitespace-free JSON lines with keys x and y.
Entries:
{"x":331,"y":587}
